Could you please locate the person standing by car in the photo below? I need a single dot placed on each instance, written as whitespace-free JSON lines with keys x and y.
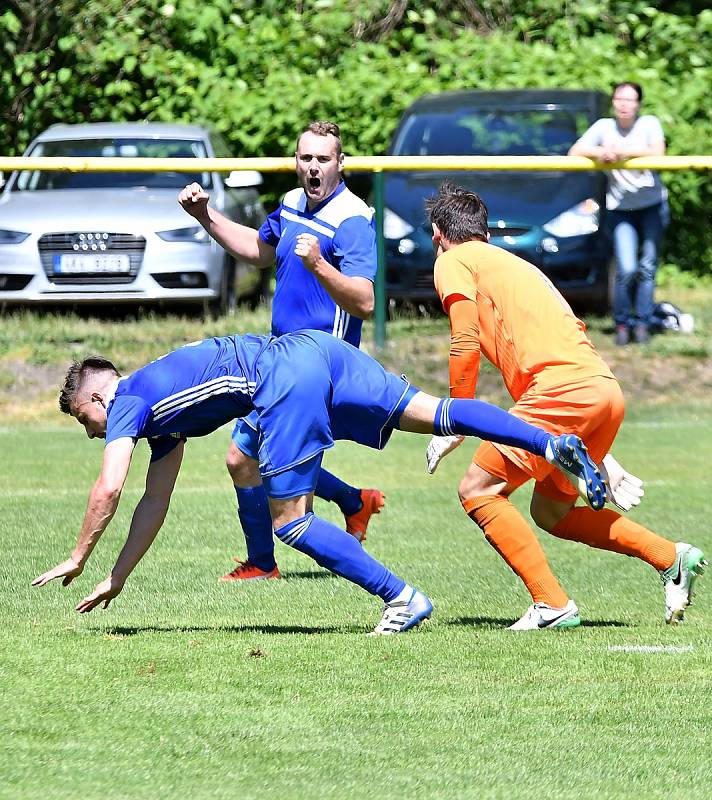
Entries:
{"x":636,"y":202}
{"x":323,"y":240}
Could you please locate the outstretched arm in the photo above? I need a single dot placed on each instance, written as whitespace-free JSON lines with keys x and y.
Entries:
{"x":103,"y":502}
{"x":145,"y":524}
{"x":239,"y":240}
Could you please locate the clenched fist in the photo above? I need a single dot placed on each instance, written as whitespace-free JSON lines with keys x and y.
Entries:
{"x":307,"y":248}
{"x":194,"y":199}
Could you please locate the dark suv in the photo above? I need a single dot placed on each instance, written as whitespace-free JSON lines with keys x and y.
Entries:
{"x":552,"y":219}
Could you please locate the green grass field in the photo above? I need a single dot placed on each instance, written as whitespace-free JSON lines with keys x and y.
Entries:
{"x":189,"y":688}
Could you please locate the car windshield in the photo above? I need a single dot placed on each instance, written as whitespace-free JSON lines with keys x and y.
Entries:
{"x":491,"y":132}
{"x":118,"y":148}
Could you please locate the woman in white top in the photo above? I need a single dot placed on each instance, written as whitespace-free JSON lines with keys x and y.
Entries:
{"x":636,"y":205}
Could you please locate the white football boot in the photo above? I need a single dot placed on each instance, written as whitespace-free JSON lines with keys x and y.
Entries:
{"x":679,"y":580}
{"x":402,"y":616}
{"x":541,"y":615}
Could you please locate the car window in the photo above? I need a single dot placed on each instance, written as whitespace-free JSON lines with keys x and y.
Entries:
{"x":491,"y":131}
{"x":116,"y":148}
{"x":220,"y":147}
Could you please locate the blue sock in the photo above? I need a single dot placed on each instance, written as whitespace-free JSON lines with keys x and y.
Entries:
{"x":477,"y":418}
{"x":333,"y":489}
{"x":340,"y":553}
{"x":256,"y":521}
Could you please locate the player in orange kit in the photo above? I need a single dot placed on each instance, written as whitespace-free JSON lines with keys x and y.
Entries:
{"x":502,"y":306}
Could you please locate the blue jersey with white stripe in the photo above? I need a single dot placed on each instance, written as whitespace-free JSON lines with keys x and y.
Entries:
{"x":344,"y":225}
{"x":189,"y":392}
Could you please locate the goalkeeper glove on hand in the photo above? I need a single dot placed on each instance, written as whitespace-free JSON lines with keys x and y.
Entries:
{"x":439,"y":447}
{"x":624,"y":489}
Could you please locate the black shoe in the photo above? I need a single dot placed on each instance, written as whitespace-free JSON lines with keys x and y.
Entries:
{"x":641,"y":334}
{"x":622,"y":335}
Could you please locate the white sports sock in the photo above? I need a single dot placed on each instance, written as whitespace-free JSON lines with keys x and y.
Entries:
{"x":404,"y":596}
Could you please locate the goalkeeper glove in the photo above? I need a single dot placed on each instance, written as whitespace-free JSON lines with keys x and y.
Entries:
{"x":624,"y":489}
{"x":439,"y":447}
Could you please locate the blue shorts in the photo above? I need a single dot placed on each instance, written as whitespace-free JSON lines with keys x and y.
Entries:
{"x":246,"y":437}
{"x":293,"y":482}
{"x":313,"y":389}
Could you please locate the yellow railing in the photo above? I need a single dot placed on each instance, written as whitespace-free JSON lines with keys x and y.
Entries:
{"x":377,"y":165}
{"x":353,"y":163}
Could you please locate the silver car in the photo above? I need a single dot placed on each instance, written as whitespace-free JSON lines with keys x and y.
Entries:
{"x":122,"y":237}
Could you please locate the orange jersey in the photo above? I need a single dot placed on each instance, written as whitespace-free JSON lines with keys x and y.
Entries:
{"x":519,"y":321}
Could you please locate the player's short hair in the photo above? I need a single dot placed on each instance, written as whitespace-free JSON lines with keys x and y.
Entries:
{"x":461,"y":215}
{"x":323,"y":128}
{"x":77,"y":376}
{"x":636,"y":87}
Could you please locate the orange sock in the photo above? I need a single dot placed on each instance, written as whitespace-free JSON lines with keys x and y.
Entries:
{"x":608,"y":530}
{"x":507,"y":531}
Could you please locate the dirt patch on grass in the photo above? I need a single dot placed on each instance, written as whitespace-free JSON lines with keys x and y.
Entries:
{"x":658,"y":378}
{"x":28,"y":391}
{"x":646,"y":375}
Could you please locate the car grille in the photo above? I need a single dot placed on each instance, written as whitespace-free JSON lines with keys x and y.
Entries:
{"x":52,"y":244}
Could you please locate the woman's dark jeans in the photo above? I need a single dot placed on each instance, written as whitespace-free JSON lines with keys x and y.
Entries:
{"x":633,"y":233}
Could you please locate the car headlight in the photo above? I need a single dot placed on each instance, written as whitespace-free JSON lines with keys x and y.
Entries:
{"x":12,"y":237}
{"x":395,"y":227}
{"x":576,"y":221}
{"x":195,"y":234}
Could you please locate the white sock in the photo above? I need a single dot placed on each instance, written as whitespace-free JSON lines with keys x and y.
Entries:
{"x":405,"y":595}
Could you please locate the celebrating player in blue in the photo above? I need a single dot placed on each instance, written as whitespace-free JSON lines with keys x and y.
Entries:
{"x":308,"y":389}
{"x":323,"y":240}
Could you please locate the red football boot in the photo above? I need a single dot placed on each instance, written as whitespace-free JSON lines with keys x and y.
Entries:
{"x":372,"y":501}
{"x":245,"y":571}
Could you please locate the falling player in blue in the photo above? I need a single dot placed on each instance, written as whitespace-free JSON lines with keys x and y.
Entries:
{"x":308,"y":389}
{"x":323,"y":240}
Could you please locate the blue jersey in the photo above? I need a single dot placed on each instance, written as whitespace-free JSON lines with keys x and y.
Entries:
{"x":307,"y":389}
{"x":189,"y":392}
{"x":345,"y":228}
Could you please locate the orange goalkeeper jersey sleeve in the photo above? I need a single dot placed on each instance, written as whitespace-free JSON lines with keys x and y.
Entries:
{"x":525,"y":327}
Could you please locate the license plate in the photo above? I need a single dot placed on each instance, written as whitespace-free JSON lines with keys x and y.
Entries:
{"x":81,"y":263}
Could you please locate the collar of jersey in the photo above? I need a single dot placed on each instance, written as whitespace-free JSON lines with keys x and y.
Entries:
{"x":111,"y":402}
{"x":340,"y":188}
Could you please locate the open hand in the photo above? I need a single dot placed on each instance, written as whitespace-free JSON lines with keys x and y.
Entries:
{"x":104,"y":593}
{"x":68,"y":570}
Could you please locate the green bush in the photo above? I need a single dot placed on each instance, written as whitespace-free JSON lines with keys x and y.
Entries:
{"x":258,"y":71}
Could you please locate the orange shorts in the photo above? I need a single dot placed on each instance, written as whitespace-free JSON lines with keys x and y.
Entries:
{"x":592,"y":409}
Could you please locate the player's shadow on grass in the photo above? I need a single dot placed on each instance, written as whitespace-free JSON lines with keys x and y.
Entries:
{"x":308,"y":575}
{"x":128,"y":630}
{"x":499,"y":623}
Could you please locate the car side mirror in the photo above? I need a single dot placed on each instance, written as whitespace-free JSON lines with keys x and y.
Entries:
{"x":242,"y":178}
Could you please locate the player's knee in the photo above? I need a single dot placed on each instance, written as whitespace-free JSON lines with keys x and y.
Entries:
{"x":478,"y":483}
{"x":547,"y":513}
{"x":243,"y":469}
{"x":290,"y":528}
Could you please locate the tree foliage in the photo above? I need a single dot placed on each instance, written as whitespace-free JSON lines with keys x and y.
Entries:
{"x":257,"y":70}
